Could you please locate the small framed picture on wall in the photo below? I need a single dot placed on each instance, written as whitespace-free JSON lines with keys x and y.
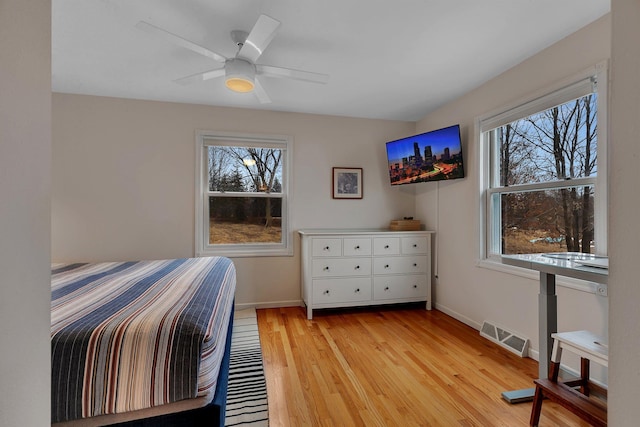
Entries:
{"x":347,"y":183}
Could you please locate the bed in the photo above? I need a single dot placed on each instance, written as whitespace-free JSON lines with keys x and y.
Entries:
{"x":141,"y":343}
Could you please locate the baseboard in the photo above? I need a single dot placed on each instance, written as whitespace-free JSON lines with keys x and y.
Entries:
{"x":531,"y":353}
{"x":271,"y":304}
{"x":469,"y":322}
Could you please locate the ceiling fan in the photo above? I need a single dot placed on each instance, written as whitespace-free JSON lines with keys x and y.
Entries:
{"x":240,"y":72}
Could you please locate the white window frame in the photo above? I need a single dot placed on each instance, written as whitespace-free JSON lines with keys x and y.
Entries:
{"x":560,"y":93}
{"x":202,"y":245}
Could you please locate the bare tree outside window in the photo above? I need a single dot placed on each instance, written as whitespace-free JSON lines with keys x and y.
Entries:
{"x":246,"y":201}
{"x":555,"y":145}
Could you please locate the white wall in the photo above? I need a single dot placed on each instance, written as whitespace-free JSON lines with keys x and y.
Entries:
{"x":624,"y":198}
{"x":123,"y":181}
{"x":463,"y":289}
{"x":25,"y":165}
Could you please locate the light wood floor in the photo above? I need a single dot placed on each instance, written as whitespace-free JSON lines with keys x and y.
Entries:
{"x":391,"y":367}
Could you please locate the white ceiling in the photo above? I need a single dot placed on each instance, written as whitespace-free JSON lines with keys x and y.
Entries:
{"x":387,"y":59}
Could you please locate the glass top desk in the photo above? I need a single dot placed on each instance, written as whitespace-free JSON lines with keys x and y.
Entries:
{"x":593,"y":268}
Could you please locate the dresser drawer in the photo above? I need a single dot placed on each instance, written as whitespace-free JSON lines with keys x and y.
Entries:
{"x":326,"y":247}
{"x":386,"y":246}
{"x":399,"y":287}
{"x":356,"y":247}
{"x":334,"y":291}
{"x":414,"y":245}
{"x":331,"y":267}
{"x":400,"y":265}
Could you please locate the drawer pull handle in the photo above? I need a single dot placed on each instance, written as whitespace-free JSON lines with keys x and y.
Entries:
{"x":326,"y":268}
{"x":386,"y":288}
{"x":326,"y":292}
{"x":415,"y":246}
{"x":357,"y":267}
{"x":415,"y":286}
{"x":358,"y":247}
{"x":357,"y":290}
{"x":326,"y":248}
{"x":415,"y":265}
{"x":386,"y":266}
{"x":386,"y":246}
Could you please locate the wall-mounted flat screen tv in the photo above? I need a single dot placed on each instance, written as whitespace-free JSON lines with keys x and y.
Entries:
{"x":430,"y":156}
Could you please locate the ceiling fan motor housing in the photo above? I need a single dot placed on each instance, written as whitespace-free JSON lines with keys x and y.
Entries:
{"x":239,"y":75}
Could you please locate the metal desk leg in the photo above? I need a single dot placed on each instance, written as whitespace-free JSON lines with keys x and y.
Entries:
{"x":547,"y":320}
{"x":547,"y":324}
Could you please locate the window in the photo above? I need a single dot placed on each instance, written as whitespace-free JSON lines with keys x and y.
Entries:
{"x":544,"y":177}
{"x":242,"y":189}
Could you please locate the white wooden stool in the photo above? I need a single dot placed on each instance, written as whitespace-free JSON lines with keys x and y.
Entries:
{"x":573,"y":395}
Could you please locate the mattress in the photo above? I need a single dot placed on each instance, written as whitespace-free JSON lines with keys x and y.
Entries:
{"x":131,"y":336}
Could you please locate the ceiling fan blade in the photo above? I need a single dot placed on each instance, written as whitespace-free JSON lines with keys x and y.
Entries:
{"x":179,"y":41}
{"x":287,"y":73}
{"x":200,"y":77}
{"x":259,"y":38}
{"x":261,"y":94}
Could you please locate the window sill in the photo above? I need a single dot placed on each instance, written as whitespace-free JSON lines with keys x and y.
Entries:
{"x":246,"y":253}
{"x":567,"y":282}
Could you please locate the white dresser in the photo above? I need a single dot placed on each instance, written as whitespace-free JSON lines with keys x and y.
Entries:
{"x":343,"y":268}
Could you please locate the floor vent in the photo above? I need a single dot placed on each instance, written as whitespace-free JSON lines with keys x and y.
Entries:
{"x":507,"y":339}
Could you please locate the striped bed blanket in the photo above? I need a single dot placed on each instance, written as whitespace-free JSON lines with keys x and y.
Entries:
{"x":134,"y":335}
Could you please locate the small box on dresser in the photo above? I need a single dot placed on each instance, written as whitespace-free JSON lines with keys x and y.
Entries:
{"x":344,"y":268}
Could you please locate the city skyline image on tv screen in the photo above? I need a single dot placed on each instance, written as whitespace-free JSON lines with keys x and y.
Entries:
{"x":430,"y":156}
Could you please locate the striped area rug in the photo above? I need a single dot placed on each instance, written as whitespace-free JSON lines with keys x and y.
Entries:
{"x":247,"y":390}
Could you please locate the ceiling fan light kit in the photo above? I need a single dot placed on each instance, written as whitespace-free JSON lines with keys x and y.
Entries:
{"x":239,"y":72}
{"x":239,"y":84}
{"x":239,"y":75}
